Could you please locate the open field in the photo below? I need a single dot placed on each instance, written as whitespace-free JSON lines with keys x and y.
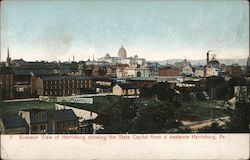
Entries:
{"x":12,"y":108}
{"x":203,"y":109}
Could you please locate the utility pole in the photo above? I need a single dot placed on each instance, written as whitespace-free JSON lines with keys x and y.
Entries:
{"x":212,"y":109}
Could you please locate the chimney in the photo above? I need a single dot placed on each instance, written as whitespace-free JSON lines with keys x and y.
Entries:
{"x":208,"y":57}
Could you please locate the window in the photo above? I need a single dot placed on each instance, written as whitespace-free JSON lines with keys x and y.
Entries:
{"x":39,"y":117}
{"x":42,"y":127}
{"x":34,"y":128}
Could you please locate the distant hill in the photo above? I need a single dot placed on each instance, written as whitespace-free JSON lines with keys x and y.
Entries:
{"x":242,"y":62}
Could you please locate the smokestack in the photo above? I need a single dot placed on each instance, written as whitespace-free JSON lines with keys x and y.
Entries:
{"x":207,"y":57}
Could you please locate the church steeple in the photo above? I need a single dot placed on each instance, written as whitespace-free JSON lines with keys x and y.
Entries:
{"x":8,"y":59}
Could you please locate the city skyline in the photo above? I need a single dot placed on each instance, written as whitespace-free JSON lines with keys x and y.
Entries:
{"x":40,"y":31}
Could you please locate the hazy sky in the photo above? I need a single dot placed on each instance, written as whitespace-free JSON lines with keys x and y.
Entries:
{"x":155,"y":30}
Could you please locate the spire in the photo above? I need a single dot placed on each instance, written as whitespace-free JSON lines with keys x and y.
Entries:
{"x":7,"y":64}
{"x":8,"y":53}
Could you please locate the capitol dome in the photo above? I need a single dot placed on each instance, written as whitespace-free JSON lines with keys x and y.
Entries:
{"x":122,"y":53}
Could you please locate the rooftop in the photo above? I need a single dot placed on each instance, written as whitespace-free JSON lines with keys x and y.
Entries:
{"x":13,"y":122}
{"x":62,"y":115}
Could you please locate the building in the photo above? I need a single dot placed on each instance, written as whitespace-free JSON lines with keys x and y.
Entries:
{"x":104,"y":85}
{"x":7,"y":79}
{"x":182,"y":63}
{"x":37,"y":120}
{"x":62,"y":121}
{"x":62,"y":85}
{"x":122,"y":53}
{"x":169,"y":71}
{"x":42,"y":121}
{"x":13,"y":125}
{"x":153,"y":69}
{"x":187,"y":70}
{"x":136,"y":72}
{"x":234,"y":70}
{"x":142,"y":81}
{"x":199,"y":72}
{"x":123,"y":59}
{"x":213,"y":67}
{"x":126,"y":90}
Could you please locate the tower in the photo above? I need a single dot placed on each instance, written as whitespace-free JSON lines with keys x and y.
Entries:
{"x":122,"y":53}
{"x":208,"y":57}
{"x":8,"y":59}
{"x":7,"y":76}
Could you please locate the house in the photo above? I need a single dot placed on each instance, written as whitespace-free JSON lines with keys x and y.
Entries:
{"x":13,"y":125}
{"x":126,"y":90}
{"x":187,"y":70}
{"x":42,"y":121}
{"x":104,"y":85}
{"x":199,"y":72}
{"x":36,"y":119}
{"x":82,"y":114}
{"x":62,"y":121}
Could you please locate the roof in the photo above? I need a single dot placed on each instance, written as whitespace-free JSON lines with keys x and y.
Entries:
{"x":13,"y":122}
{"x":34,"y":110}
{"x":62,"y":115}
{"x":6,"y":70}
{"x":51,"y":78}
{"x":127,"y":86}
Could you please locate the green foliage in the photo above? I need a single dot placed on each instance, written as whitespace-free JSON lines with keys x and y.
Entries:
{"x":235,"y":81}
{"x":155,"y":117}
{"x":218,"y":88}
{"x":239,"y":117}
{"x":135,"y":116}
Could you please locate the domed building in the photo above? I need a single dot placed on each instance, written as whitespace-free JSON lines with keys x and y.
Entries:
{"x":122,"y":53}
{"x":107,"y":56}
{"x":214,"y":63}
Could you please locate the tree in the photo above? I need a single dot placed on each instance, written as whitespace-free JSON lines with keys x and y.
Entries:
{"x":217,"y":87}
{"x":121,"y":116}
{"x":239,"y":117}
{"x":155,"y":117}
{"x":235,"y":81}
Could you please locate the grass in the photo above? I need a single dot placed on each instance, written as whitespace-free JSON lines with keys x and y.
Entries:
{"x":202,"y":109}
{"x":100,"y":103}
{"x":12,"y":108}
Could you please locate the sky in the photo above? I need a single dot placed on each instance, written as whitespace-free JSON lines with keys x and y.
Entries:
{"x":155,"y":30}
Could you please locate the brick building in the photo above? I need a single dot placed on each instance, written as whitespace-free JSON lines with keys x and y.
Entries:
{"x":169,"y":71}
{"x":62,"y":85}
{"x":234,"y":70}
